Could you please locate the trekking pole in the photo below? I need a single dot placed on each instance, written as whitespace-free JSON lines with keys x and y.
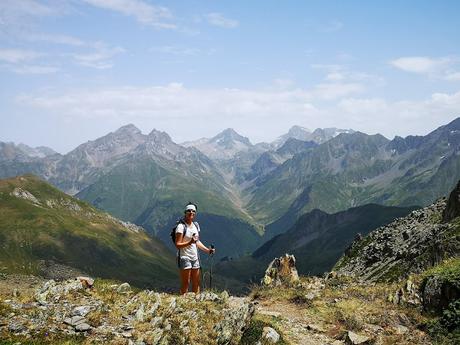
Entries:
{"x":210,"y":271}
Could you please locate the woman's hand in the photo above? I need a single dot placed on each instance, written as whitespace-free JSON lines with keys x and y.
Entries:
{"x":194,"y":239}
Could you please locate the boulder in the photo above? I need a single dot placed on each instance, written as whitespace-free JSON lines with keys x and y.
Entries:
{"x":452,"y":209}
{"x":281,"y":270}
{"x":437,"y":294}
{"x":236,"y":319}
{"x":356,"y":339}
{"x":270,"y":336}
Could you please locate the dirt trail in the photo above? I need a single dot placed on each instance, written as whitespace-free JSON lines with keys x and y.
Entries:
{"x":295,"y":325}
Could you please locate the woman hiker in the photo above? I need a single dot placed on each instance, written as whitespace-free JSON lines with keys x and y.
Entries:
{"x":187,"y":242}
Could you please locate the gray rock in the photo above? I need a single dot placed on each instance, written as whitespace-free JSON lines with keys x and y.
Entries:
{"x":81,"y":311}
{"x":270,"y":335}
{"x":400,"y":329}
{"x":311,"y":296}
{"x":16,"y":327}
{"x":127,"y":334}
{"x":82,"y":327}
{"x":235,"y":319}
{"x":124,"y":288}
{"x":74,"y":320}
{"x":208,"y":296}
{"x":356,"y":339}
{"x":140,"y":313}
{"x":281,"y":270}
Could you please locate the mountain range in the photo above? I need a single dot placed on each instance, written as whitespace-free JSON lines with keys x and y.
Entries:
{"x":246,"y":192}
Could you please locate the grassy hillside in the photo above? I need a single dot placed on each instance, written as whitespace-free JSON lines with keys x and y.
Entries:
{"x":39,"y":222}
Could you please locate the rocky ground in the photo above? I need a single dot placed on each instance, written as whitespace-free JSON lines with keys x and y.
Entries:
{"x":66,"y":312}
{"x":335,"y":309}
{"x":338,"y":310}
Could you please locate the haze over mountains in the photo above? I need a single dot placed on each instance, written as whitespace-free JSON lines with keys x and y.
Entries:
{"x":246,"y":192}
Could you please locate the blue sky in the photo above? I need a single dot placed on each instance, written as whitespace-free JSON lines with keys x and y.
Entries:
{"x":73,"y":70}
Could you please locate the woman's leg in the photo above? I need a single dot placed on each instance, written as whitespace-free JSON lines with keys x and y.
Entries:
{"x":195,"y":275}
{"x":184,"y":280}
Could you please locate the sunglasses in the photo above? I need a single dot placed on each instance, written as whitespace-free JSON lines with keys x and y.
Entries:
{"x":190,"y":211}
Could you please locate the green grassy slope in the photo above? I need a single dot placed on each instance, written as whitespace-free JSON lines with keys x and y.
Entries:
{"x":71,"y":232}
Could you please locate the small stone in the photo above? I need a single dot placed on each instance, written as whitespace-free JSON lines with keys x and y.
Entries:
{"x":374,"y":328}
{"x":124,"y":288}
{"x":81,"y":311}
{"x":82,"y":327}
{"x":156,"y":320}
{"x":16,"y":293}
{"x":400,"y":329}
{"x":127,"y":334}
{"x":16,"y":327}
{"x":173,"y":304}
{"x":75,"y":320}
{"x":208,"y":296}
{"x":310,"y":296}
{"x":270,"y":335}
{"x":140,"y":314}
{"x":356,"y":339}
{"x":224,"y":295}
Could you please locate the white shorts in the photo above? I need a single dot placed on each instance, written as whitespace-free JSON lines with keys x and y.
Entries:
{"x":185,"y":263}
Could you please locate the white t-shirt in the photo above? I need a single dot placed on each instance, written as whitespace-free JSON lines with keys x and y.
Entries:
{"x":191,"y":250}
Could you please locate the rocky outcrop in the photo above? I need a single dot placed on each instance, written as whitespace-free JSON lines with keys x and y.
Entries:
{"x":407,"y":245}
{"x":114,"y":313}
{"x":281,"y":270}
{"x":438,"y":293}
{"x":452,"y":209}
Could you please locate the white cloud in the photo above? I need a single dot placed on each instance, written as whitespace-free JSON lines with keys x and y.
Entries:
{"x":100,"y":58}
{"x":218,"y":19}
{"x":454,"y":76}
{"x":55,"y":39}
{"x":165,"y":107}
{"x":144,"y":12}
{"x":376,"y":115}
{"x":34,"y":69}
{"x":174,"y":50}
{"x":18,"y":55}
{"x":260,"y":114}
{"x":341,"y":74}
{"x":445,"y":68}
{"x":420,"y":64}
{"x":18,"y":16}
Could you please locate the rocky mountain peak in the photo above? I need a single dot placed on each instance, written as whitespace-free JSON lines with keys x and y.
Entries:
{"x":160,"y":137}
{"x":298,"y":132}
{"x":128,"y":129}
{"x":229,"y":137}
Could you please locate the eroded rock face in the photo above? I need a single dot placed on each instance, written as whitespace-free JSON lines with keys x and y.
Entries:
{"x":437,"y":294}
{"x":281,"y":270}
{"x":235,"y":320}
{"x":452,"y":209}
